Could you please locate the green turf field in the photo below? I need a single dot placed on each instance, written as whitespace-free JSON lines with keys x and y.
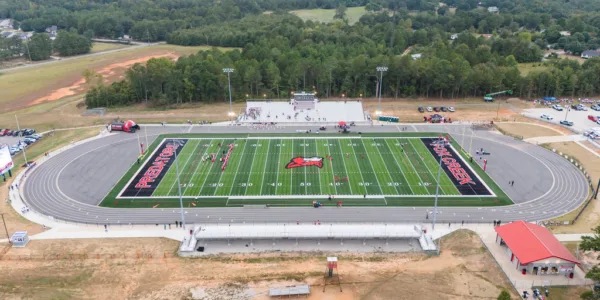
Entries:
{"x":358,"y":170}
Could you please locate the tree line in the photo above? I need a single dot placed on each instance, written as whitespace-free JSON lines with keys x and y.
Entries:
{"x":444,"y":70}
{"x":41,"y":47}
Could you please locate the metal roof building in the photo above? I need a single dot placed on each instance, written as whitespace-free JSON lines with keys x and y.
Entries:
{"x":533,"y":249}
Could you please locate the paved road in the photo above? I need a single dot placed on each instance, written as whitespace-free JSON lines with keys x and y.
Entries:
{"x":71,"y":184}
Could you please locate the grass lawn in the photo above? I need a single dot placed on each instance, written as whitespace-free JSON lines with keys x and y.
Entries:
{"x":326,"y":15}
{"x":527,"y":130}
{"x":22,"y":86}
{"x":367,"y":171}
{"x":527,"y":68}
{"x":101,"y":47}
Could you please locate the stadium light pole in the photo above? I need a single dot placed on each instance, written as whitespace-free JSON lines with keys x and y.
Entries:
{"x":229,"y":71}
{"x":381,"y":70}
{"x":180,"y":195}
{"x":21,"y":135}
{"x":437,"y":191}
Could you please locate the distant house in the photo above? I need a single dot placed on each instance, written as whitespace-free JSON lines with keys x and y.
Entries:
{"x":416,"y":56}
{"x":6,"y":23}
{"x":454,"y":36}
{"x":590,"y":54}
{"x":493,"y":9}
{"x":7,"y":34}
{"x":565,"y":33}
{"x":26,"y":35}
{"x":52,"y":29}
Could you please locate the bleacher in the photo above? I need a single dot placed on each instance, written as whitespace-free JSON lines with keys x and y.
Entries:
{"x":288,"y":112}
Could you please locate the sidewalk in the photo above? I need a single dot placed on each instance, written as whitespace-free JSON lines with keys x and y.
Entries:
{"x":555,"y":139}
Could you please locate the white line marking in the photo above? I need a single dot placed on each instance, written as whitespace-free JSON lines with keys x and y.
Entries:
{"x":262,"y":183}
{"x":400,"y":167}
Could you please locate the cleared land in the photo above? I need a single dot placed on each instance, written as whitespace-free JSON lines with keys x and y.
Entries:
{"x":527,"y":68}
{"x":353,"y":14}
{"x":527,"y":130}
{"x":137,"y":270}
{"x":51,"y":82}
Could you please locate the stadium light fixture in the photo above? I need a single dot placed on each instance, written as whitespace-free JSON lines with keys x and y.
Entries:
{"x":361,"y":95}
{"x":381,"y":70}
{"x":378,"y":112}
{"x":292,"y":92}
{"x":343,"y":95}
{"x":229,"y":71}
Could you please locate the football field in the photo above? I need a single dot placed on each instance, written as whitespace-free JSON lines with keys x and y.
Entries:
{"x":297,"y":170}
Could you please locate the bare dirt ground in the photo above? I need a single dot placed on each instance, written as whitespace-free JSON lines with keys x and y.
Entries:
{"x":138,"y":269}
{"x":528,"y":130}
{"x":591,"y":216}
{"x":109,"y":74}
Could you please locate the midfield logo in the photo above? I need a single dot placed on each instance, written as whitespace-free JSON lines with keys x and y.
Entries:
{"x":305,"y":162}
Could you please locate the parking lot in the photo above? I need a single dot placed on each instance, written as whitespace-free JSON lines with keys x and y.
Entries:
{"x":579,"y":118}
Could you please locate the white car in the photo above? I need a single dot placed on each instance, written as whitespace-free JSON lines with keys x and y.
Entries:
{"x":582,"y":107}
{"x":429,"y":109}
{"x":451,"y":109}
{"x":546,"y":116}
{"x":557,"y":107}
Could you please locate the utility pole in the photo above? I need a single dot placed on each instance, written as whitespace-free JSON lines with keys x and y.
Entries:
{"x":437,"y":191}
{"x":229,"y":71}
{"x":381,"y":70}
{"x":20,"y":135}
{"x":180,"y":195}
{"x":6,"y":229}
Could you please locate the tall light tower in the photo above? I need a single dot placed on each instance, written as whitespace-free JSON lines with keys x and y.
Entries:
{"x":381,"y":70}
{"x":229,"y":71}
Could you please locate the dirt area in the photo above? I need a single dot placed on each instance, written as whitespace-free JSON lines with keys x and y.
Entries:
{"x":138,"y":269}
{"x":528,"y":130}
{"x":14,"y":221}
{"x":109,"y":74}
{"x":591,"y":216}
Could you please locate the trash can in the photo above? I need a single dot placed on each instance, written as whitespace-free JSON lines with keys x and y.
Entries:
{"x":524,"y":271}
{"x":571,"y":275}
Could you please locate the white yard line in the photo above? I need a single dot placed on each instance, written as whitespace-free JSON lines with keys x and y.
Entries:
{"x":359,"y":170}
{"x":397,"y":163}
{"x":250,"y":173}
{"x":186,"y":162}
{"x":386,"y":167}
{"x":318,"y":170}
{"x":208,"y":173}
{"x":345,"y":169}
{"x":237,"y":171}
{"x":413,"y":167}
{"x":305,"y":180}
{"x":427,"y":167}
{"x":262,"y":183}
{"x":278,"y":166}
{"x":332,"y":170}
{"x":194,"y":174}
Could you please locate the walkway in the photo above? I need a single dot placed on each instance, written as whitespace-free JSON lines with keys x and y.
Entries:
{"x":555,"y":139}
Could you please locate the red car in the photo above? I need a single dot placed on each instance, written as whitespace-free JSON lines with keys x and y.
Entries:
{"x":593,"y":118}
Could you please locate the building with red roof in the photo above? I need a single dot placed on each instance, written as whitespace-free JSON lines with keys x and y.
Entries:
{"x":533,"y":249}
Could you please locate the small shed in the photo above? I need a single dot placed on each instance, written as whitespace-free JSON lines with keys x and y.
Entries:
{"x":20,"y":239}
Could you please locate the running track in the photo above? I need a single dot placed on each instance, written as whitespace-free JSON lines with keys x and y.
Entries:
{"x":71,"y":183}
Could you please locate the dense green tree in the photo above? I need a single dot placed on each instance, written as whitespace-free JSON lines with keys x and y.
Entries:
{"x":39,"y":47}
{"x":340,"y":12}
{"x":68,"y":43}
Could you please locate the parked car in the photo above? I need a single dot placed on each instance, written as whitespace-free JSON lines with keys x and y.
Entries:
{"x":546,"y":116}
{"x":451,"y":109}
{"x":593,"y":118}
{"x":436,"y":109}
{"x":16,"y":133}
{"x":581,"y":107}
{"x":444,"y":109}
{"x":28,"y":131}
{"x":429,"y":109}
{"x":3,"y":131}
{"x":557,"y":107}
{"x":421,"y":109}
{"x":595,"y":107}
{"x":565,"y":122}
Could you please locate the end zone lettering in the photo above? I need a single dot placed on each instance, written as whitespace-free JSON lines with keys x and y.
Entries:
{"x":154,"y":169}
{"x":157,"y":167}
{"x":461,"y":175}
{"x":453,"y":165}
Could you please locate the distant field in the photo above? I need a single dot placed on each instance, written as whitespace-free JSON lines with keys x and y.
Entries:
{"x":21,"y":87}
{"x":527,"y":68}
{"x":101,"y":47}
{"x":326,"y":15}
